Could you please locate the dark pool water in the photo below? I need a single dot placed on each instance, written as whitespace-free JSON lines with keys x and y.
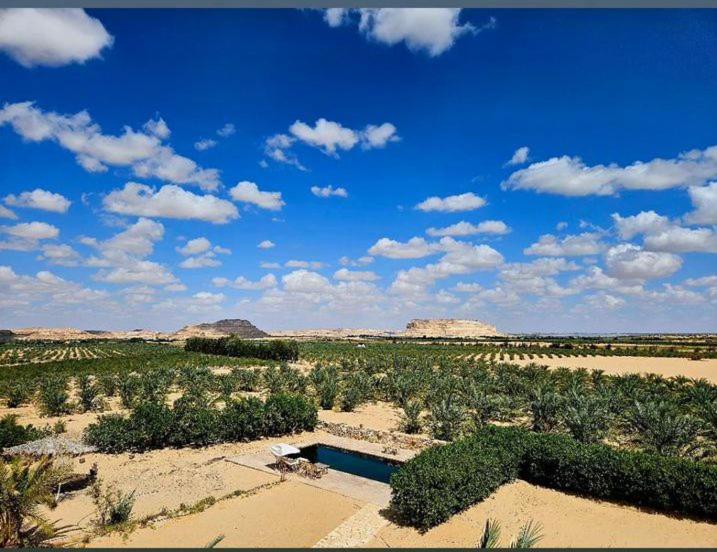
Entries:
{"x":363,"y":465}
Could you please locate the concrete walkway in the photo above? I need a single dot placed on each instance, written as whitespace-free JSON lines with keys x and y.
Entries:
{"x":356,"y":531}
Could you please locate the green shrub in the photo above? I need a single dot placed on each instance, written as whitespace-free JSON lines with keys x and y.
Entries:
{"x":445,"y":480}
{"x":109,"y":384}
{"x":247,"y":380}
{"x":286,"y":413}
{"x":110,"y":433}
{"x":194,"y":423}
{"x":113,"y":506}
{"x":54,"y":397}
{"x":442,"y":481}
{"x":235,"y":347}
{"x":411,"y":417}
{"x":88,"y":392}
{"x":17,"y":394}
{"x":128,"y":389}
{"x":242,"y":420}
{"x":12,"y":433}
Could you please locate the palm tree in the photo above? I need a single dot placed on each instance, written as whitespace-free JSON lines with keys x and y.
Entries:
{"x":24,"y":486}
{"x":528,"y":536}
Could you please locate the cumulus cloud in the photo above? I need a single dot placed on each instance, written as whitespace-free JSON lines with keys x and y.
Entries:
{"x":346,"y":275}
{"x":265,"y":282}
{"x":677,"y":239}
{"x":329,"y":191}
{"x":248,"y":192}
{"x":520,"y":156}
{"x":570,"y":176}
{"x":60,"y":255}
{"x":40,"y":199}
{"x":25,"y":236}
{"x":704,"y":200}
{"x":201,"y":254}
{"x":207,"y":260}
{"x":142,"y":151}
{"x":430,"y":30}
{"x":204,"y":144}
{"x":169,"y":202}
{"x":266,"y":244}
{"x":51,"y":37}
{"x":329,"y":137}
{"x":195,"y":246}
{"x":227,"y":130}
{"x":548,"y":245}
{"x":7,"y":213}
{"x":645,"y":222}
{"x":415,"y":248}
{"x":452,"y":204}
{"x":628,"y":261}
{"x":314,"y":265}
{"x":138,"y":272}
{"x":463,"y":228}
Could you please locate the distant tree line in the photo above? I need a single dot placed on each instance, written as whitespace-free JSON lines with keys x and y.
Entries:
{"x":235,"y":347}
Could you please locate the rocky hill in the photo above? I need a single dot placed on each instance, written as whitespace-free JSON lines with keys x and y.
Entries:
{"x":231,"y":326}
{"x":449,"y":327}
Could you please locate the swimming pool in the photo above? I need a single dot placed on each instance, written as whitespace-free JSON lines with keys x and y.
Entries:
{"x":348,"y":461}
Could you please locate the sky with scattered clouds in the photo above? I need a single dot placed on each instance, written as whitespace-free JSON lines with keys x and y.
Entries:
{"x":545,"y":171}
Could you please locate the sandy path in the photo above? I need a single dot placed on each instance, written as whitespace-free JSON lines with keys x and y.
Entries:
{"x":667,"y":367}
{"x":290,"y":514}
{"x":568,"y":521}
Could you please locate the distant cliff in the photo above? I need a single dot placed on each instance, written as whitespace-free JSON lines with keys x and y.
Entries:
{"x":449,"y":327}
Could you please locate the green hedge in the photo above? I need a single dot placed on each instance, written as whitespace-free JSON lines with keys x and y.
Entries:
{"x":235,"y":347}
{"x":445,"y":480}
{"x":12,"y":433}
{"x":152,"y":425}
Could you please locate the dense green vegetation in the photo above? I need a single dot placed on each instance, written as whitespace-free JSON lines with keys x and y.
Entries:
{"x":445,"y":480}
{"x":13,"y":433}
{"x":236,"y":347}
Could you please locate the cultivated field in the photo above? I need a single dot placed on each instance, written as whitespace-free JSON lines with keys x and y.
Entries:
{"x":168,"y":422}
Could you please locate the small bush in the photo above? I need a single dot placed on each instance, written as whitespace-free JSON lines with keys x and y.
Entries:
{"x":109,"y":383}
{"x":12,"y":433}
{"x":54,"y":397}
{"x":286,"y":413}
{"x":128,"y":388}
{"x":242,"y":420}
{"x":89,"y":393}
{"x":193,"y":423}
{"x":17,"y":394}
{"x":113,"y":506}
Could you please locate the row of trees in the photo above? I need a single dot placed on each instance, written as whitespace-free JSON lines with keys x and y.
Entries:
{"x":235,"y":347}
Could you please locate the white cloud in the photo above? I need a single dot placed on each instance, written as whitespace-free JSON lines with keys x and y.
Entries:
{"x":464,"y":287}
{"x":204,"y":144}
{"x":227,"y":130}
{"x":265,"y":282}
{"x":704,"y":281}
{"x":452,"y":204}
{"x":677,"y":239}
{"x":266,"y":244}
{"x":570,"y":176}
{"x":329,"y":137}
{"x":704,"y":200}
{"x":40,"y":199}
{"x":645,"y":222}
{"x":329,"y":191}
{"x":60,"y":254}
{"x":378,"y":136}
{"x":51,"y":37}
{"x":7,"y":213}
{"x":170,"y":202}
{"x":346,"y":275}
{"x":270,"y":266}
{"x":25,"y":236}
{"x":464,"y":228}
{"x":315,"y":265}
{"x":628,"y":261}
{"x":432,"y":30}
{"x":202,"y":261}
{"x":144,"y":152}
{"x":158,"y":128}
{"x":520,"y":156}
{"x":415,"y":248}
{"x":195,"y":246}
{"x":248,"y":192}
{"x":361,"y":261}
{"x":587,"y":243}
{"x":139,"y":272}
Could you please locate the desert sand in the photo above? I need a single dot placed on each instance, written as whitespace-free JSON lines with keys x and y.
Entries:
{"x":667,"y":367}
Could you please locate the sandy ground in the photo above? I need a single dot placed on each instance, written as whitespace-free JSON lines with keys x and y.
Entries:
{"x":378,"y":415}
{"x":667,"y":367}
{"x":568,"y":521}
{"x":289,"y":514}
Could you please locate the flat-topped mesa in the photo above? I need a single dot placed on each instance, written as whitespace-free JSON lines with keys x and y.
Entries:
{"x":449,"y":327}
{"x":231,"y":326}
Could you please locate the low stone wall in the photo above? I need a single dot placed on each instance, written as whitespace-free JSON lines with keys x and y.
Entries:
{"x":392,"y":438}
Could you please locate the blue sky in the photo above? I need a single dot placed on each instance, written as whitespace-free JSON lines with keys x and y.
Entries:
{"x":146,"y":154}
